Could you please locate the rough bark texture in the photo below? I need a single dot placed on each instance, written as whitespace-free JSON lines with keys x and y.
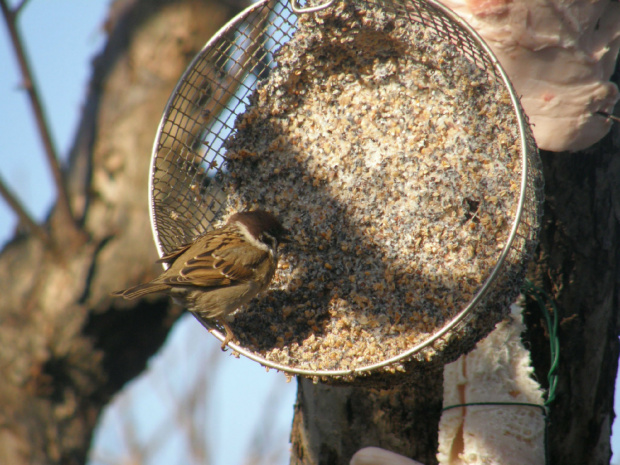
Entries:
{"x":333,"y":422}
{"x":66,"y":345}
{"x":577,"y":264}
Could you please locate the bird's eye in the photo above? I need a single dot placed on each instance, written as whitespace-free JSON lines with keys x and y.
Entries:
{"x":270,"y":240}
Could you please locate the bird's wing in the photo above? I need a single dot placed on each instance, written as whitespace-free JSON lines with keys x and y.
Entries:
{"x":239,"y":262}
{"x":218,"y":260}
{"x":176,"y":253}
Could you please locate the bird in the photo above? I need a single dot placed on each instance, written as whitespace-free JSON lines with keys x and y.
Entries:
{"x":222,"y":269}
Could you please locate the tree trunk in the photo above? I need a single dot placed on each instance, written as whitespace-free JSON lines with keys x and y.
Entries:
{"x":67,"y":346}
{"x":333,"y":422}
{"x":578,"y":265}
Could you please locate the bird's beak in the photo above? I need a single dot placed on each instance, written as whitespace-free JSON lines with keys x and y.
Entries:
{"x":287,"y":238}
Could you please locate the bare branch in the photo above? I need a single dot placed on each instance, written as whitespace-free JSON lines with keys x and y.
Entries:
{"x":18,"y":8}
{"x":608,"y":116}
{"x":24,"y":217}
{"x":10,"y":16}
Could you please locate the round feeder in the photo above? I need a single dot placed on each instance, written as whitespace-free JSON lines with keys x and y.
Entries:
{"x":388,"y":139}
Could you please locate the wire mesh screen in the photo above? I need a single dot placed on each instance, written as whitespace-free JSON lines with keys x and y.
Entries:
{"x":233,"y":137}
{"x":189,"y":160}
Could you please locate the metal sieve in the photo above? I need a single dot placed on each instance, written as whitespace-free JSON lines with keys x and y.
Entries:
{"x":192,"y":166}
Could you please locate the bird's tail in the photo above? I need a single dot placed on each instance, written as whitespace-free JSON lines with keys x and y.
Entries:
{"x":141,"y":290}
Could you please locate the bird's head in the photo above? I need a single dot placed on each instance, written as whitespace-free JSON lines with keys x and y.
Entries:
{"x":263,"y":228}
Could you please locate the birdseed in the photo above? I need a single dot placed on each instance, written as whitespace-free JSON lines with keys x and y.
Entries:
{"x":396,"y":163}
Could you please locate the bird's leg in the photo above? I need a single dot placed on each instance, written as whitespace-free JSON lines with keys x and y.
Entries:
{"x":229,"y":335}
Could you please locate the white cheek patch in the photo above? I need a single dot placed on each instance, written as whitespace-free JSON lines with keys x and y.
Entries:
{"x":251,"y":239}
{"x":274,"y":244}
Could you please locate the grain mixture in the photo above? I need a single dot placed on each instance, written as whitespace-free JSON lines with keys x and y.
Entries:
{"x":396,"y":163}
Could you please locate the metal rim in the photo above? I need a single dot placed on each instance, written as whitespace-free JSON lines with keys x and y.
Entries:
{"x":523,"y":126}
{"x":169,"y":106}
{"x":299,"y":10}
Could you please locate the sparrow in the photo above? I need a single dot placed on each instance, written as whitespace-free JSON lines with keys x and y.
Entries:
{"x":221,"y":270}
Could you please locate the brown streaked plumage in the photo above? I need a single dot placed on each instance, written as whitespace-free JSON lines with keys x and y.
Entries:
{"x":222,"y":269}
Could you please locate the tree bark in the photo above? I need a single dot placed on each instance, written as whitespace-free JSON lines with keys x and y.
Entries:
{"x":67,"y":346}
{"x":578,"y":265}
{"x":333,"y":422}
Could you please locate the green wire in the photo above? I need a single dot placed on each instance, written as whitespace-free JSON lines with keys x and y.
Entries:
{"x":544,"y":303}
{"x":517,"y":404}
{"x":551,"y":318}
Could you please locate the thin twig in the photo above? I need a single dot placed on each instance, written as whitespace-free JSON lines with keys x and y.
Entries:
{"x":608,"y":116}
{"x":23,"y":215}
{"x":63,"y":198}
{"x":19,"y":6}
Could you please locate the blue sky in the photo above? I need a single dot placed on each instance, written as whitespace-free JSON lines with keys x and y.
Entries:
{"x":61,"y":39}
